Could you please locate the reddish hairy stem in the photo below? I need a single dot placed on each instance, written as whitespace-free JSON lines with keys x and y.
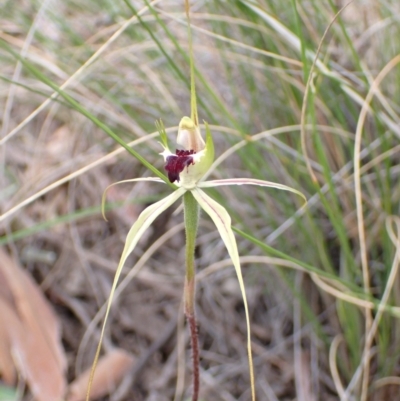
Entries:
{"x":194,"y":340}
{"x":190,"y":290}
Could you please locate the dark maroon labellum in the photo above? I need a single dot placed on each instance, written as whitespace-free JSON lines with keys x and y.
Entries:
{"x":176,"y":163}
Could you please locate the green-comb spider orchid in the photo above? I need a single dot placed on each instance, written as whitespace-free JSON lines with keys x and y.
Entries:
{"x":186,"y":167}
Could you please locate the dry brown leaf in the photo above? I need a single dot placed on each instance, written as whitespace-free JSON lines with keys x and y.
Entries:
{"x":33,"y":332}
{"x":7,"y":369}
{"x":109,"y":372}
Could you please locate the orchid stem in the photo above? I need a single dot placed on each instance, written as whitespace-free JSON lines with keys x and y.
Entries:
{"x":191,"y":210}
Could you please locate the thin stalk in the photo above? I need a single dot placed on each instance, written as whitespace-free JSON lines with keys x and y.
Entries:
{"x":193,"y":102}
{"x":191,"y":210}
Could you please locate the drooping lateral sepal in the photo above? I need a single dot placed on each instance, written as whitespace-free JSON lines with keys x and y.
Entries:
{"x":222,"y":220}
{"x":135,"y":233}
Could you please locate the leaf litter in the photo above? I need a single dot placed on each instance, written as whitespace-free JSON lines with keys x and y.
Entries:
{"x":30,"y":334}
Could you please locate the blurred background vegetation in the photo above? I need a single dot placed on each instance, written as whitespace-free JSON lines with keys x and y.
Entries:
{"x":322,"y":281}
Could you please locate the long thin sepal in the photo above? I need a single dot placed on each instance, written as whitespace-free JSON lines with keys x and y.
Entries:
{"x":249,"y":181}
{"x":222,"y":220}
{"x":139,"y":227}
{"x":103,"y":199}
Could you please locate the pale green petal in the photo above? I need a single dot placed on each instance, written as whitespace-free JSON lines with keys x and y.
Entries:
{"x":209,"y":149}
{"x":103,"y":199}
{"x":135,"y":233}
{"x":222,"y":220}
{"x":249,"y":181}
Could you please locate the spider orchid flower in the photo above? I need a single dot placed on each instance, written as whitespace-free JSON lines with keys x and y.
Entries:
{"x":186,"y":168}
{"x":188,"y":165}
